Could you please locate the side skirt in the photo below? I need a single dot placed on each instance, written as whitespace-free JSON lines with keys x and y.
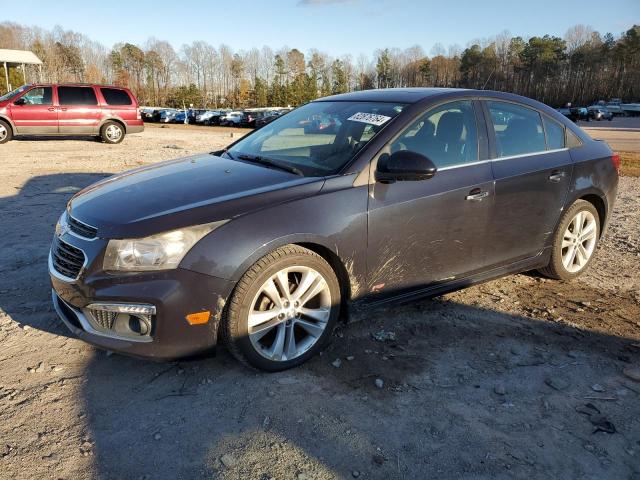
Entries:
{"x":530,"y":263}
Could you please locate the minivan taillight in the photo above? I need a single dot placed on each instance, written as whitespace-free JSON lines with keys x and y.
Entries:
{"x":615,"y":159}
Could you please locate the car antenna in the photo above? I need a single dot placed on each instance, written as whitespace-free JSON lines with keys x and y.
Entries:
{"x":488,"y":78}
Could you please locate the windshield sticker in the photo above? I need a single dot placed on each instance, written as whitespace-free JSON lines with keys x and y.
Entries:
{"x":370,"y":118}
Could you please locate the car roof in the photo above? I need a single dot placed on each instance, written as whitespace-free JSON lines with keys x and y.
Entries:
{"x":395,"y":95}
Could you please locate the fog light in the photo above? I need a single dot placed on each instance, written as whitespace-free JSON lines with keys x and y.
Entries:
{"x":126,"y":320}
{"x":140,"y":325}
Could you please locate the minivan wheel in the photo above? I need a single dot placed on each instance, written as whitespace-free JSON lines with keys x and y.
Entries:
{"x":6,"y":133}
{"x":283,"y":310}
{"x":574,"y":242}
{"x":112,"y":132}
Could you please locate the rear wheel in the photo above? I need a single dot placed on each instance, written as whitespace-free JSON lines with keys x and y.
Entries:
{"x":6,"y":133}
{"x":283,"y":310}
{"x":112,"y":132}
{"x":574,"y":242}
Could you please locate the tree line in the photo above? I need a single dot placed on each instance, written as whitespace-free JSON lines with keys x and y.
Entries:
{"x":581,"y":67}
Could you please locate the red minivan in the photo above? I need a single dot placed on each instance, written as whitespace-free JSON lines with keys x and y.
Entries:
{"x":70,"y":109}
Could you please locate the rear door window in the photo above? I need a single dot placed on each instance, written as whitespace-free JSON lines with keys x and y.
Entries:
{"x":555,"y":134}
{"x":518,"y":129}
{"x":115,"y":96}
{"x":77,"y":96}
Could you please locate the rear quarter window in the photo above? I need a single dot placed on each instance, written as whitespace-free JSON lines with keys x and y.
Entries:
{"x":115,"y":96}
{"x":555,"y":134}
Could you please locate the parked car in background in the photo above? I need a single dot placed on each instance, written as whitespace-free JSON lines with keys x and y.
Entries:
{"x":172,"y":116}
{"x":421,"y":191}
{"x":231,"y":119}
{"x":210,"y":117}
{"x":579,"y":113}
{"x":267,"y":118}
{"x":321,"y":123}
{"x":147,"y":114}
{"x":179,"y":117}
{"x":192,"y":115}
{"x":598,"y":113}
{"x":105,"y":111}
{"x":249,"y":118}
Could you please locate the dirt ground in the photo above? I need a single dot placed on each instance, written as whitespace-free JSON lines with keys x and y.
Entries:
{"x":521,"y":377}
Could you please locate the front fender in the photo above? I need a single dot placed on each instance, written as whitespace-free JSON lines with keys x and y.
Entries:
{"x":335,"y":218}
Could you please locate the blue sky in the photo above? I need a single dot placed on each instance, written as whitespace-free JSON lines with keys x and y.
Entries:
{"x":334,"y":26}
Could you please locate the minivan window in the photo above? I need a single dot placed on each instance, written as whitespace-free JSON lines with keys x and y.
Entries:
{"x":115,"y":96}
{"x":77,"y":96}
{"x":518,"y":129}
{"x":446,"y":135}
{"x":38,"y":96}
{"x":555,"y":134}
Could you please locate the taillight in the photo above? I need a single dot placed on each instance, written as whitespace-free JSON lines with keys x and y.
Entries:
{"x":139,"y":116}
{"x":615,"y":159}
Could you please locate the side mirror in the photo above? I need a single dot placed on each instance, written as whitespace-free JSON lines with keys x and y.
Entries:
{"x":403,"y":166}
{"x":20,"y":101}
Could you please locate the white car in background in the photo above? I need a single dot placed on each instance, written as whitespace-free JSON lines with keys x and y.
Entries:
{"x":231,"y":118}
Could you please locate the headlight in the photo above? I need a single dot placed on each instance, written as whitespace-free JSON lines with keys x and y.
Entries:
{"x":163,"y":251}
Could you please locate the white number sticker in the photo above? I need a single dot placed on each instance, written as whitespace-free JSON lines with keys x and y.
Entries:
{"x":370,"y":118}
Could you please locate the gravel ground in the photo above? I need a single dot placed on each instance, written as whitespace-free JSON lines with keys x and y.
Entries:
{"x":521,"y":377}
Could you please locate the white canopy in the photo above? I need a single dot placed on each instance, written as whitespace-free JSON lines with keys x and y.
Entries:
{"x":19,"y":56}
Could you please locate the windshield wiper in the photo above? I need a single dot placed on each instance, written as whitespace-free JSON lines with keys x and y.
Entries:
{"x":267,"y":162}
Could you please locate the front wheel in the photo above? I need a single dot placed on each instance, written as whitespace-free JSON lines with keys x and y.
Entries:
{"x":6,"y":133}
{"x":283,"y":310}
{"x":112,"y":133}
{"x":574,"y":242}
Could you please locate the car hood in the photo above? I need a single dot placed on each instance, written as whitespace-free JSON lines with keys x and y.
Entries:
{"x":179,"y":193}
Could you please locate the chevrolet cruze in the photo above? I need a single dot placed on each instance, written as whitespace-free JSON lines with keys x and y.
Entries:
{"x":266,"y":244}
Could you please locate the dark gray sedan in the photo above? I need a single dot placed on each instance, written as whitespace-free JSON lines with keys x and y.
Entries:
{"x":352,"y":200}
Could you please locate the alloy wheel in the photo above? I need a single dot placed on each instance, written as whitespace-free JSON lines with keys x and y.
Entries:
{"x":579,"y":241}
{"x":289,"y":313}
{"x":3,"y":132}
{"x":113,"y":133}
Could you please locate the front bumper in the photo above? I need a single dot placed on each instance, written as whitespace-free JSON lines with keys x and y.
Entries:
{"x":173,"y":293}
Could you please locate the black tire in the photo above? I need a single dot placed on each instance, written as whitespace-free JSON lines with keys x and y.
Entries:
{"x":234,"y":323}
{"x":8,"y":132}
{"x":556,"y":269}
{"x":110,"y":138}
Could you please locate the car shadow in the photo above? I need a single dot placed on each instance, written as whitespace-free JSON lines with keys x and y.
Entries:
{"x":465,"y":391}
{"x":28,"y":219}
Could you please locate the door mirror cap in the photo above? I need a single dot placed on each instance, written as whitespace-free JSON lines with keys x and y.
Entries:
{"x":403,"y":166}
{"x":20,"y":101}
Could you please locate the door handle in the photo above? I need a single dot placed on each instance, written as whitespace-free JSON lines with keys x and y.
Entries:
{"x":51,"y":109}
{"x":63,"y":109}
{"x":556,"y":176}
{"x":476,"y":195}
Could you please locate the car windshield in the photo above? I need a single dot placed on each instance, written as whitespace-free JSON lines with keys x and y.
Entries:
{"x":319,"y":138}
{"x":10,"y":95}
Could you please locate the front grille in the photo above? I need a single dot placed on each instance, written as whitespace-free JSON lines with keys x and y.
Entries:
{"x":81,"y":229}
{"x":103,"y":318}
{"x":67,"y":260}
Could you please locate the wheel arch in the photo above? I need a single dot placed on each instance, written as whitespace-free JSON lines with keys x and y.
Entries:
{"x":113,"y":119}
{"x":8,"y":121}
{"x":339,"y":268}
{"x":599,"y":203}
{"x":319,"y":245}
